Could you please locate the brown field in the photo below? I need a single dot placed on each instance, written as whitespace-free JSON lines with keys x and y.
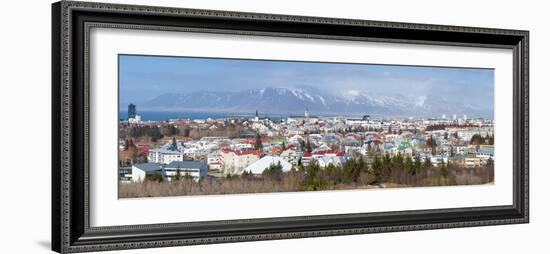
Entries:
{"x":299,"y":181}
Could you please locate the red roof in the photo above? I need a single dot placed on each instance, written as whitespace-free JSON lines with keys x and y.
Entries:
{"x":324,"y":152}
{"x":339,"y":154}
{"x":253,"y":140}
{"x":143,"y":151}
{"x":248,"y":152}
{"x":243,"y":152}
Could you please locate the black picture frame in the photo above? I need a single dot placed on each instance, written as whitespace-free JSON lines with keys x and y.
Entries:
{"x":71,"y":231}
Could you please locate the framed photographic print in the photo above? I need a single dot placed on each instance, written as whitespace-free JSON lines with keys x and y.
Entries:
{"x":181,"y":126}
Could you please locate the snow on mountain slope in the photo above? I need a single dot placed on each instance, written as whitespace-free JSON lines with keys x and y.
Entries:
{"x":295,"y":100}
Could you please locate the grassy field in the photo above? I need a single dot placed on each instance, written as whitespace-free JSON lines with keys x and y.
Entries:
{"x":299,"y":181}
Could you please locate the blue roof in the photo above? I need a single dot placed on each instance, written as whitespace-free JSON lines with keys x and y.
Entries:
{"x":351,"y":143}
{"x":165,"y":150}
{"x":149,"y":167}
{"x":419,"y":138}
{"x":487,"y":150}
{"x":188,"y":164}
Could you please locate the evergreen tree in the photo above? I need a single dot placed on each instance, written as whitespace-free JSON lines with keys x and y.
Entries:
{"x":452,"y":152}
{"x":308,"y":146}
{"x":187,"y":176}
{"x":486,"y":139}
{"x":417,"y":164}
{"x":427,"y":163}
{"x":312,"y":182}
{"x":274,"y":171}
{"x":258,"y":145}
{"x":386,"y":166}
{"x":370,"y":150}
{"x":476,"y":140}
{"x":432,"y":144}
{"x":361,"y":165}
{"x":174,"y":145}
{"x":490,"y":162}
{"x":331,"y":172}
{"x":135,"y":154}
{"x":376,"y":167}
{"x":155,"y":177}
{"x":246,"y":174}
{"x":178,"y":174}
{"x":443,"y":169}
{"x":351,"y":171}
{"x":397,"y":162}
{"x":409,"y":165}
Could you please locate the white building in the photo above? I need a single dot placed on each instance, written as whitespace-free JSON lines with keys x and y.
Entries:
{"x":460,"y":149}
{"x":241,"y":146}
{"x":308,"y":158}
{"x":136,"y":119}
{"x":294,"y":130}
{"x":195,"y":169}
{"x":260,"y":165}
{"x":291,"y":156}
{"x":357,"y":122}
{"x":214,"y":160}
{"x":331,"y":160}
{"x":234,"y":162}
{"x":295,"y":139}
{"x":140,"y":171}
{"x":437,"y":159}
{"x":164,"y":156}
{"x":167,"y":153}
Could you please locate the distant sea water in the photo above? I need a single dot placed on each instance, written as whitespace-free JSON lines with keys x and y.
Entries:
{"x":166,"y":115}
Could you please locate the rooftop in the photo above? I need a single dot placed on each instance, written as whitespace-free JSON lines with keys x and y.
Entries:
{"x":187,"y":164}
{"x":149,"y":167}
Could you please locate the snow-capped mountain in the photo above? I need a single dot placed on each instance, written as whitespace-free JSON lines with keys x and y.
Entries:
{"x":279,"y":100}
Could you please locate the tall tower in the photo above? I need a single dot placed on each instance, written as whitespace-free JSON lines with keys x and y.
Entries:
{"x":306,"y":113}
{"x":131,"y":111}
{"x":256,"y":118}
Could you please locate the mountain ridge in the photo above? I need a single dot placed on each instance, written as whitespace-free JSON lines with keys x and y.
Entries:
{"x":293,"y":100}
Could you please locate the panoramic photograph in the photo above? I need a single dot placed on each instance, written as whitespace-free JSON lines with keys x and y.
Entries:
{"x":216,"y":126}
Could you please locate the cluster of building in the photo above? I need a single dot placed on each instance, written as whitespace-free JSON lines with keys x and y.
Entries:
{"x":301,"y":140}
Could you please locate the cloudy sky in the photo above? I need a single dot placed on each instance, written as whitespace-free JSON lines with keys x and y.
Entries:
{"x":145,"y":77}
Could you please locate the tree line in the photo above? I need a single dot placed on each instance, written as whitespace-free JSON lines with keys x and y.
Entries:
{"x":379,"y":170}
{"x":155,"y":132}
{"x":478,"y":139}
